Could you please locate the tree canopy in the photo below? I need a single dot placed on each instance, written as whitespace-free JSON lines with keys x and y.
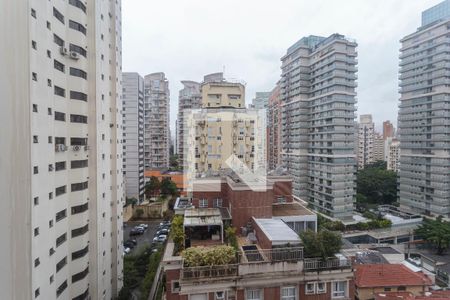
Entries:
{"x":436,"y":232}
{"x":321,"y":244}
{"x":152,"y":187}
{"x":168,"y":187}
{"x":376,"y":185}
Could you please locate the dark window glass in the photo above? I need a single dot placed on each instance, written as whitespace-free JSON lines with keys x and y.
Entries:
{"x":81,"y":275}
{"x":82,"y":296}
{"x":77,"y":49}
{"x":58,"y":41}
{"x":78,"y":119}
{"x":79,"y":4}
{"x":77,"y":26}
{"x":60,"y":165}
{"x":60,"y":91}
{"x":61,"y":239}
{"x":61,"y":215}
{"x":61,"y":288}
{"x":60,"y":190}
{"x":75,"y":164}
{"x":78,"y":73}
{"x":59,"y":116}
{"x":79,"y":186}
{"x":58,"y":15}
{"x":58,"y":66}
{"x":78,"y":141}
{"x":78,"y":96}
{"x":80,"y":253}
{"x":79,"y":209}
{"x":80,"y":231}
{"x":60,"y":140}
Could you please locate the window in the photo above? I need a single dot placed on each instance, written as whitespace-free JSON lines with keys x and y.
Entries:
{"x":401,"y":288}
{"x":58,"y":15}
{"x":77,"y":49}
{"x":37,"y":262}
{"x":77,"y":26}
{"x":59,"y":116}
{"x":80,"y":231}
{"x":35,"y":170}
{"x":61,"y":215}
{"x":78,"y":141}
{"x":78,"y":73}
{"x":50,"y":167}
{"x":36,"y":200}
{"x":78,"y":96}
{"x":49,"y":82}
{"x":217,"y":202}
{"x":288,"y":293}
{"x":50,"y":196}
{"x":60,"y":140}
{"x":34,"y":45}
{"x":36,"y":231}
{"x":60,"y":91}
{"x":79,"y":208}
{"x":76,"y":164}
{"x":33,"y":13}
{"x":50,"y":223}
{"x":49,"y":54}
{"x":175,"y":286}
{"x":321,"y":288}
{"x":58,"y":41}
{"x":50,"y":139}
{"x":35,"y":139}
{"x":81,"y":275}
{"x":61,"y":288}
{"x":310,"y":288}
{"x":254,"y":294}
{"x":219,"y":295}
{"x":35,"y":108}
{"x":51,"y":251}
{"x":203,"y":203}
{"x":34,"y":76}
{"x":60,"y":190}
{"x":36,"y":293}
{"x":60,"y":165}
{"x":49,"y":26}
{"x":79,"y":4}
{"x":61,"y":239}
{"x":78,"y":119}
{"x":79,"y":186}
{"x":339,"y":289}
{"x":80,"y":253}
{"x":58,"y":66}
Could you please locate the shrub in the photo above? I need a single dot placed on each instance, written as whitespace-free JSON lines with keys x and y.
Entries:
{"x":177,"y":233}
{"x":230,"y":234}
{"x":208,"y":256}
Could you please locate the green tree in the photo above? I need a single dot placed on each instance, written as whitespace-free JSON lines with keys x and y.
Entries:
{"x":230,"y":234}
{"x":174,"y":162}
{"x":436,"y":232}
{"x":152,"y":187}
{"x":376,"y":185}
{"x":321,"y":244}
{"x":168,"y":187}
{"x":177,"y":233}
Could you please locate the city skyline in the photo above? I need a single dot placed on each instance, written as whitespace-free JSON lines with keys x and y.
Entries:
{"x":258,"y":44}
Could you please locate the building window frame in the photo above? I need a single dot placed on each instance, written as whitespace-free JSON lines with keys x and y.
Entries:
{"x":335,"y":293}
{"x":288,"y":295}
{"x":254,"y":294}
{"x":203,"y":203}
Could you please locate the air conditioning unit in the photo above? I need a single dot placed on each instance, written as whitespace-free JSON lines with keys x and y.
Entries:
{"x":74,"y":55}
{"x":76,"y":148}
{"x":63,"y":50}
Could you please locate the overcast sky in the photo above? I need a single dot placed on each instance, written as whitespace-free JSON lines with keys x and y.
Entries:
{"x":187,"y":39}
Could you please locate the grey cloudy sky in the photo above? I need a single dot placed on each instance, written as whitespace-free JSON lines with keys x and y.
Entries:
{"x":187,"y":39}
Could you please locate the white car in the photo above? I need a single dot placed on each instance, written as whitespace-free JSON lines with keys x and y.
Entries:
{"x":126,"y":250}
{"x":160,"y":239}
{"x":139,"y":227}
{"x":145,"y":226}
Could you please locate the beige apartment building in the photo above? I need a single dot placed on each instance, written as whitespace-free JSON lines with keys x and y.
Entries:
{"x":378,"y":147}
{"x":61,"y":153}
{"x":392,"y":153}
{"x":223,"y":129}
{"x":366,"y":135}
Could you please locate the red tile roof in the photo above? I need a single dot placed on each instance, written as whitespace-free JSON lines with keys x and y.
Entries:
{"x":388,"y":275}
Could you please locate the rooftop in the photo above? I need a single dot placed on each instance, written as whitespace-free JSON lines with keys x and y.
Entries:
{"x":277,"y":231}
{"x":202,"y":217}
{"x":435,"y":295}
{"x":390,"y":275}
{"x":290,"y":209}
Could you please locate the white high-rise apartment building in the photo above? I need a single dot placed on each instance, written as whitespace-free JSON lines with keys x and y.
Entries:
{"x":133,"y":134}
{"x":424,"y":115}
{"x":61,"y":152}
{"x":392,"y":153}
{"x":156,"y":120}
{"x":366,"y":129}
{"x":378,"y":148}
{"x":318,"y":99}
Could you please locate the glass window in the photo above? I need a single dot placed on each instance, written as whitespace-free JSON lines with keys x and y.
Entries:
{"x":339,"y":289}
{"x":310,"y":288}
{"x":203,"y":203}
{"x":321,"y":287}
{"x":254,"y":294}
{"x":288,"y":293}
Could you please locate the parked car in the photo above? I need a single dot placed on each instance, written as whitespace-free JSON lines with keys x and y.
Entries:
{"x":145,"y":226}
{"x":164,"y":231}
{"x":129,"y":244}
{"x":126,"y":250}
{"x":136,"y":231}
{"x":160,"y":239}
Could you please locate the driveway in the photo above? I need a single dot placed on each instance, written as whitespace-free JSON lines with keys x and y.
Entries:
{"x":144,"y":239}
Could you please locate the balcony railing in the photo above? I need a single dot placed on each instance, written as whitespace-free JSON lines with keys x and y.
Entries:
{"x":317,"y":264}
{"x":272,"y":255}
{"x":217,"y":271}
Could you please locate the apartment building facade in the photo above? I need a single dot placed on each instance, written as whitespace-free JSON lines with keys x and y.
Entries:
{"x":189,"y":98}
{"x":318,"y":84}
{"x":61,"y":167}
{"x":133,"y":135}
{"x":424,"y":115}
{"x":378,"y":147}
{"x":366,"y":129}
{"x":261,"y":100}
{"x":156,"y":121}
{"x":392,"y":154}
{"x":274,"y":130}
{"x":388,"y":130}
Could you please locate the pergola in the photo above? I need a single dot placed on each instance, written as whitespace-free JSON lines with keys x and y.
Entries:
{"x":201,"y":217}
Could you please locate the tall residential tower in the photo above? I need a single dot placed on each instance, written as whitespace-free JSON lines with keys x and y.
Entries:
{"x":318,"y":84}
{"x":424,"y":115}
{"x":366,"y":136}
{"x":156,"y":120}
{"x":133,"y":134}
{"x":61,"y":153}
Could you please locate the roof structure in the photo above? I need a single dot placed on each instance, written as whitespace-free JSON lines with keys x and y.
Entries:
{"x":277,"y":231}
{"x":202,"y":217}
{"x":388,"y":275}
{"x":290,"y":209}
{"x":434,"y":295}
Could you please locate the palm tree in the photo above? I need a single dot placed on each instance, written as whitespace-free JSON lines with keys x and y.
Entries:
{"x":436,"y":232}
